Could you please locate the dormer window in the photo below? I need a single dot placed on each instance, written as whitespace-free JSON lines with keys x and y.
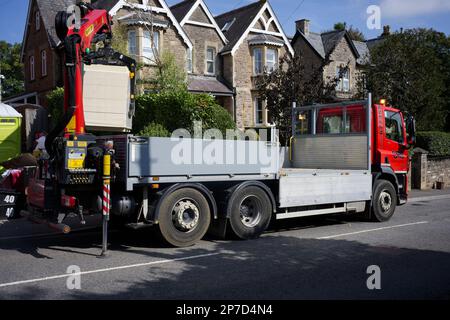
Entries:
{"x":38,"y":21}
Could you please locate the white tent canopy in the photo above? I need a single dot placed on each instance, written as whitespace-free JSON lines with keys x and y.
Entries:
{"x":8,"y":111}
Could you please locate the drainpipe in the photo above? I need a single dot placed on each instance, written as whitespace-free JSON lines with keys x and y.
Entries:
{"x":234,"y":104}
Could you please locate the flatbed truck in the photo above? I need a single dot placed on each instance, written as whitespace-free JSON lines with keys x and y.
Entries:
{"x":347,"y":157}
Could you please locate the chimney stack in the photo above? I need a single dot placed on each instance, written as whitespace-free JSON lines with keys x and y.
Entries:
{"x":303,"y":26}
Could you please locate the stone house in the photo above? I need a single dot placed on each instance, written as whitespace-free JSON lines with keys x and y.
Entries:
{"x":204,"y":66}
{"x":347,"y":57}
{"x":256,"y":41}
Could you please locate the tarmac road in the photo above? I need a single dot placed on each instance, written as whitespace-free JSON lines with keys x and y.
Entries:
{"x":311,"y":258}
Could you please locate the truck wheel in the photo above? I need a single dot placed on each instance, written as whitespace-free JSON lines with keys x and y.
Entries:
{"x":250,"y":212}
{"x":184,"y":217}
{"x":384,"y":201}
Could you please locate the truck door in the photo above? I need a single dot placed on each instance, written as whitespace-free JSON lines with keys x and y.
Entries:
{"x":394,"y":151}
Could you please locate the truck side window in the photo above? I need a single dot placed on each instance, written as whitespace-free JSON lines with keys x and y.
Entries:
{"x":394,"y":126}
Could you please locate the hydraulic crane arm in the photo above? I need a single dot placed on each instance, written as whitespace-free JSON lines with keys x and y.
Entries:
{"x":94,"y":27}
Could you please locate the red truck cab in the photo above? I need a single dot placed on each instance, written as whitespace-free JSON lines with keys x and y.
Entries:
{"x":393,"y":133}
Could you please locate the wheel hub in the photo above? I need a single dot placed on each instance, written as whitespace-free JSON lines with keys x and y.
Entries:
{"x":250,"y":212}
{"x":185,"y":215}
{"x":385,"y":201}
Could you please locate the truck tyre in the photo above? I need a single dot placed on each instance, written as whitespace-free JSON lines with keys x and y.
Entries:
{"x":184,"y":217}
{"x":250,"y":212}
{"x":384,"y":201}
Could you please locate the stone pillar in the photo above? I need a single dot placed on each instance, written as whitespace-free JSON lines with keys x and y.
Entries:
{"x":419,"y":169}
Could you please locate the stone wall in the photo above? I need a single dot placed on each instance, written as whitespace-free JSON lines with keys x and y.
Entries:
{"x":427,"y":171}
{"x":202,"y":38}
{"x":341,"y":56}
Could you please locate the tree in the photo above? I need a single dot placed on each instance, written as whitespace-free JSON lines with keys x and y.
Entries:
{"x":294,"y":81}
{"x":169,"y":76}
{"x":11,"y":69}
{"x":411,"y":70}
{"x":353,"y":32}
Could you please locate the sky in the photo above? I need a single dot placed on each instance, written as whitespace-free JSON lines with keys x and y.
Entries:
{"x":322,"y":14}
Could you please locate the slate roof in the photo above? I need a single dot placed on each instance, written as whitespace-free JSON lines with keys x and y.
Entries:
{"x":143,"y":18}
{"x":48,"y":10}
{"x":105,"y":4}
{"x":325,"y":43}
{"x":180,"y":10}
{"x":265,"y":39}
{"x":364,"y":53}
{"x":243,"y":18}
{"x":202,"y":84}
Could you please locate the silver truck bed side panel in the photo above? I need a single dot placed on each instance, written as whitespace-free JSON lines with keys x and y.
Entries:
{"x":304,"y":187}
{"x":165,"y":157}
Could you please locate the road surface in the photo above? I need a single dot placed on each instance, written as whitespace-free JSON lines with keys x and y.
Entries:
{"x":313,"y":258}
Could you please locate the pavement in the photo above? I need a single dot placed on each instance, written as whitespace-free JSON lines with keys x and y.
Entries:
{"x":328,"y":257}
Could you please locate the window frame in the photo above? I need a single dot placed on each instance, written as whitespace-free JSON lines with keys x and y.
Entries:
{"x":255,"y":65}
{"x":394,"y":116}
{"x":189,"y":60}
{"x":44,"y":63}
{"x":211,"y":61}
{"x":274,"y":61}
{"x":37,"y":17}
{"x":153,"y":45}
{"x":259,"y":114}
{"x":130,"y":51}
{"x":32,"y":68}
{"x":343,"y":80}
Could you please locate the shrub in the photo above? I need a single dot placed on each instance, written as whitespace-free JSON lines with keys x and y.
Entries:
{"x":179,"y":109}
{"x":154,"y":130}
{"x":435,"y":142}
{"x":55,"y":100}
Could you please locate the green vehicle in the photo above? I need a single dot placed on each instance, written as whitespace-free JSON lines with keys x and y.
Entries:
{"x":10,"y":133}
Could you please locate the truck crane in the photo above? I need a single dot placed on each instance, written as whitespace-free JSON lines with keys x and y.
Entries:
{"x":347,"y":157}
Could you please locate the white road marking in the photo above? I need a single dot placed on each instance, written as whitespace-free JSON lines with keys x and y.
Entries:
{"x":138,"y":265}
{"x":372,"y":230}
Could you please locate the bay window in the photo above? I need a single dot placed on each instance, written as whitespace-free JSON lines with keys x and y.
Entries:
{"x":271,"y":60}
{"x":150,"y":46}
{"x":132,"y":44}
{"x":257,"y":61}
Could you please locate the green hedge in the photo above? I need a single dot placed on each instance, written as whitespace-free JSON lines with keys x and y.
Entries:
{"x":178,"y":110}
{"x":154,"y":130}
{"x":435,"y":142}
